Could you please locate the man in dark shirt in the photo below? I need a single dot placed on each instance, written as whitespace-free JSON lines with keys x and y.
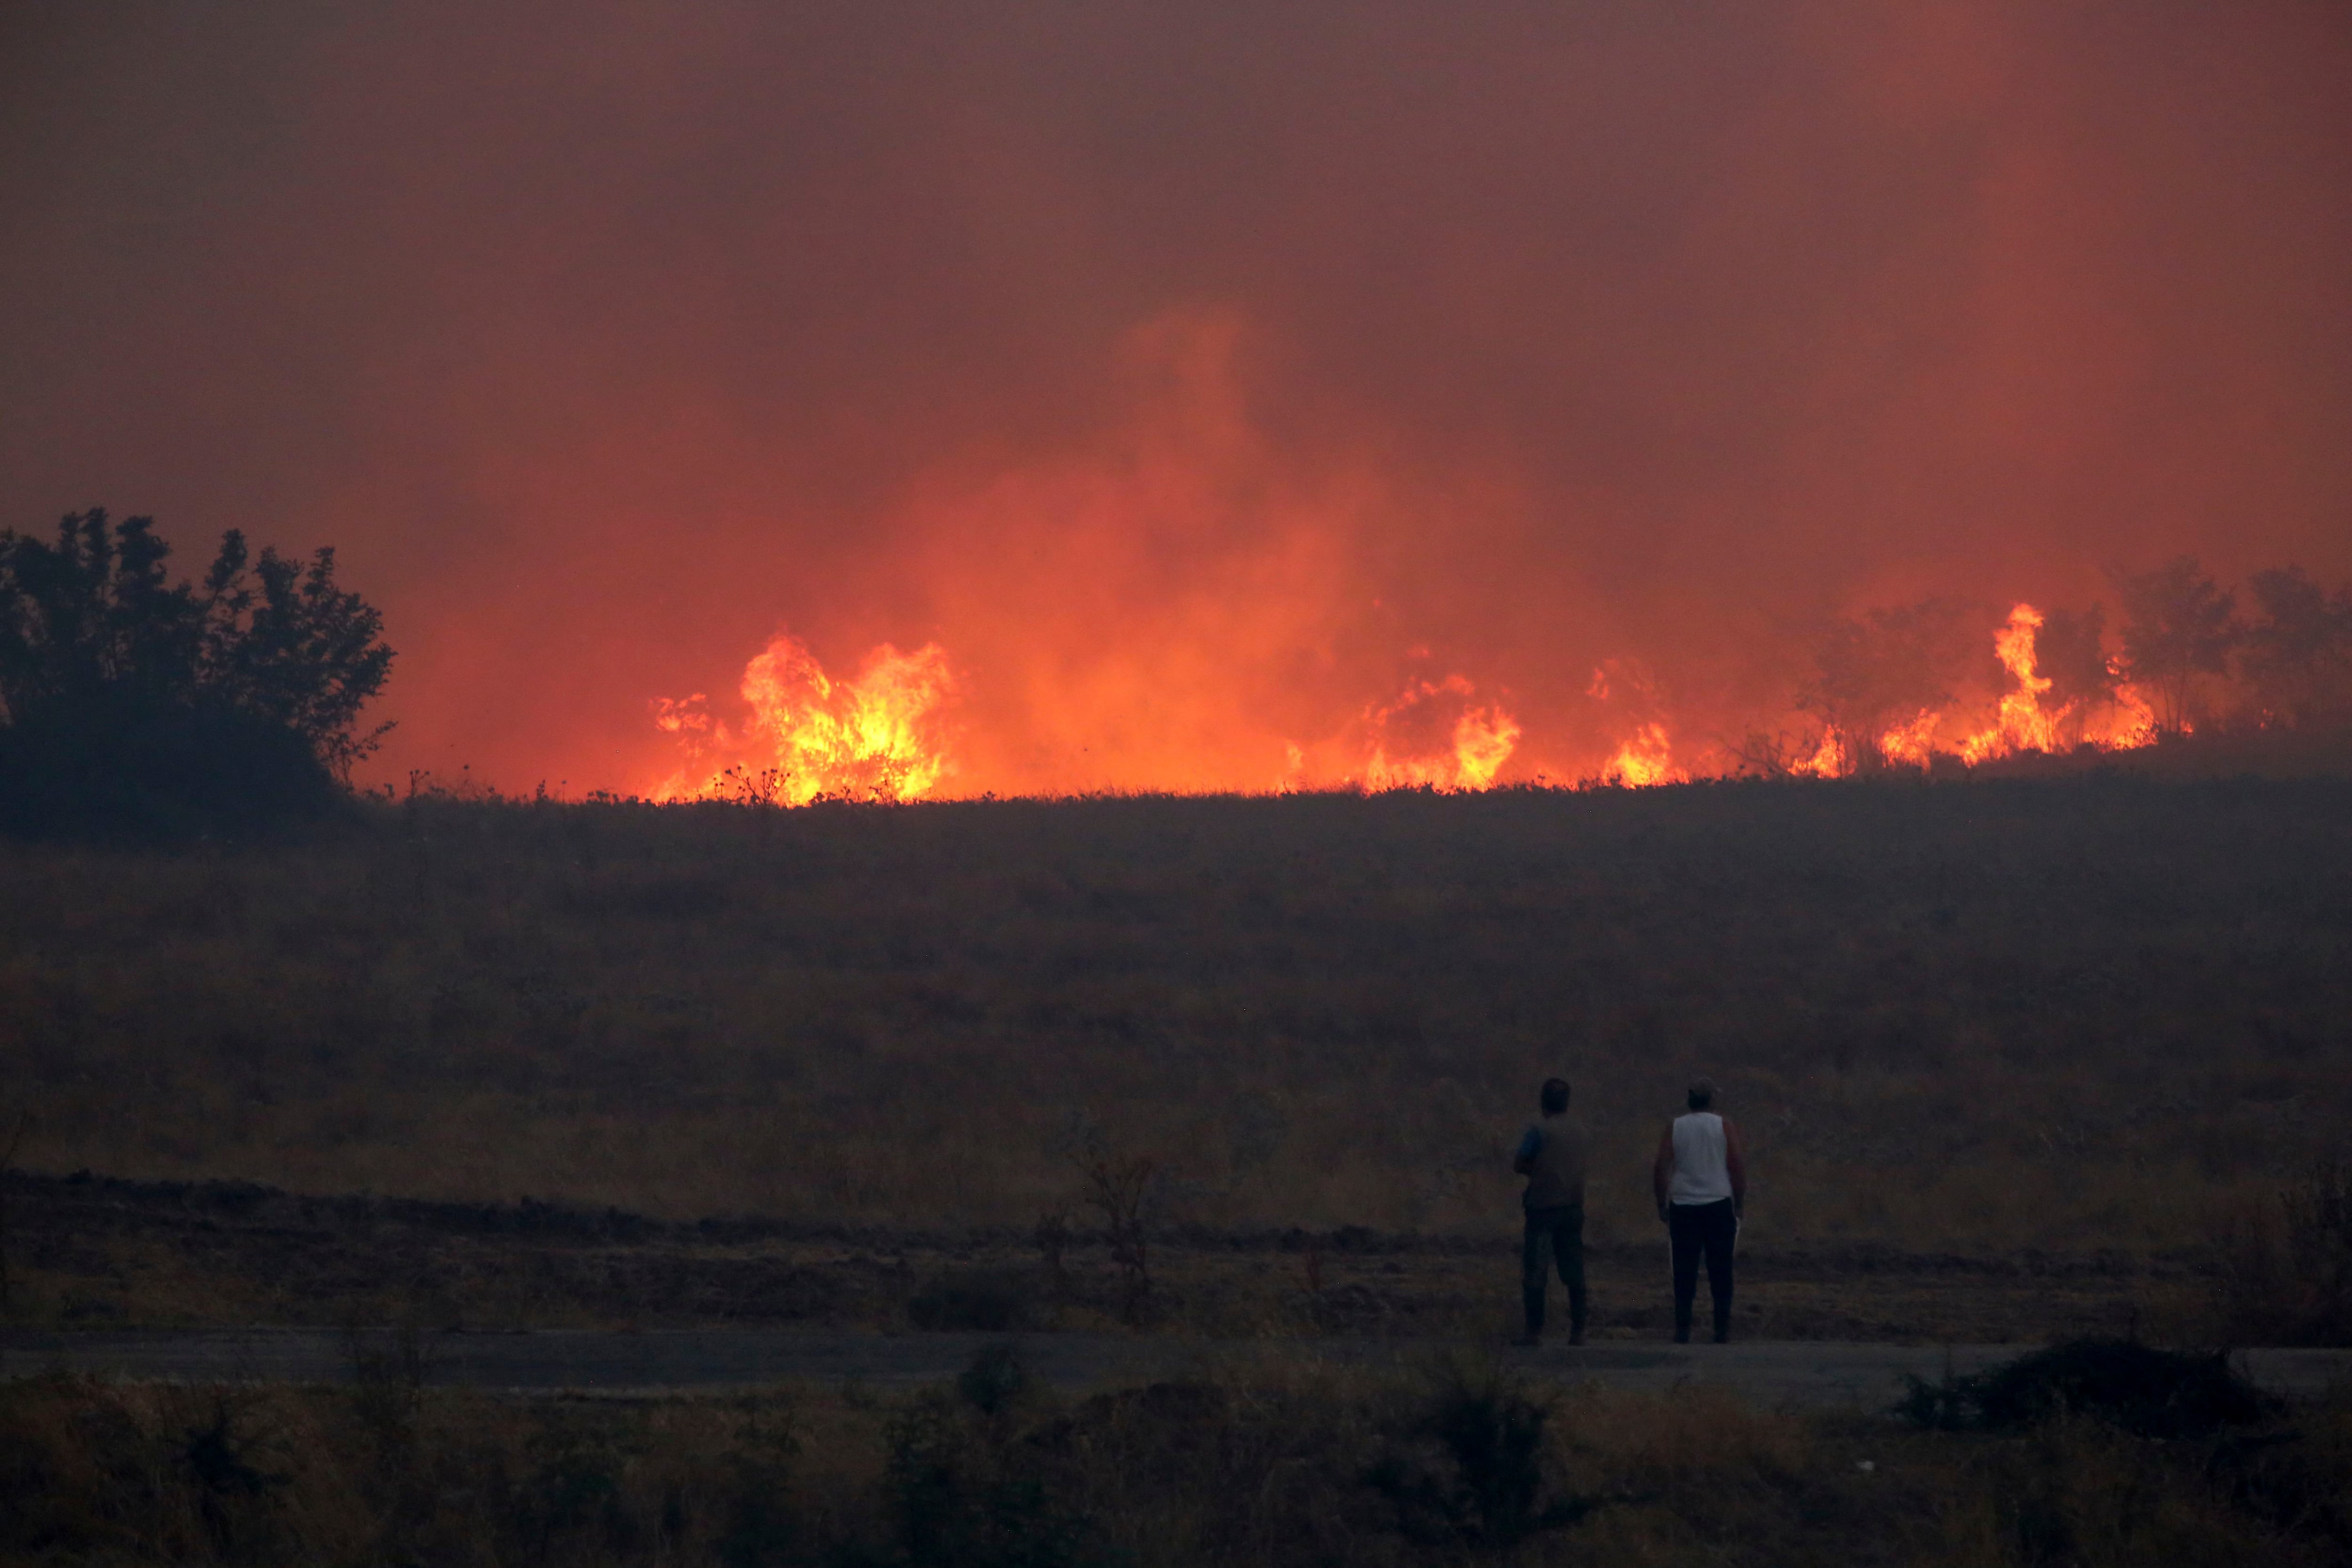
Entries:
{"x":1552,"y":1155}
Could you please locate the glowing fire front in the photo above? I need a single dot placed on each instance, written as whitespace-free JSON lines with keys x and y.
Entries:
{"x":2021,"y":725}
{"x":879,"y":735}
{"x":882,"y":735}
{"x":2112,"y":717}
{"x":1645,"y":757}
{"x":2103,"y":713}
{"x":1414,"y":747}
{"x":2119,"y":720}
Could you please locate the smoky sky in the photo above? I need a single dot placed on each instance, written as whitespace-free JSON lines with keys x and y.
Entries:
{"x":1195,"y":374}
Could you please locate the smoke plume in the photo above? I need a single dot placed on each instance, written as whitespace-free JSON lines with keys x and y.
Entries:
{"x":1234,"y":395}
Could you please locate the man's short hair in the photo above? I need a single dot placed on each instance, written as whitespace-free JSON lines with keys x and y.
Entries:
{"x":1702,"y":1093}
{"x":1555,"y":1096}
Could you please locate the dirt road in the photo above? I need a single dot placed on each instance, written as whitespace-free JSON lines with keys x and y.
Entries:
{"x":103,"y":1253}
{"x":1771,"y":1374}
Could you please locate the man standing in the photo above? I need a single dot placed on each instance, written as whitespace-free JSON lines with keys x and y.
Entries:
{"x":1552,"y":1156}
{"x":1701,"y":1182}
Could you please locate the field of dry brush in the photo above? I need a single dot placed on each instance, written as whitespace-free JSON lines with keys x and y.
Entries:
{"x":2097,"y":1013}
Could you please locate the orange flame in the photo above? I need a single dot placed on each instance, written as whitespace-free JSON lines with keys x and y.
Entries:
{"x":1912,"y":744}
{"x":2132,"y":721}
{"x":1828,"y":760}
{"x":1646,"y":758}
{"x":878,"y":736}
{"x":1467,"y":756}
{"x":2020,"y":722}
{"x":1189,"y":613}
{"x":2021,"y":725}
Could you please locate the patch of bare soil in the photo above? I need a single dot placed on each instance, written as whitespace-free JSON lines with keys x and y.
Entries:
{"x":93,"y":1251}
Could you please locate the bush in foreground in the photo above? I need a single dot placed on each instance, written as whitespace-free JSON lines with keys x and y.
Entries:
{"x":2287,"y":1264}
{"x":1272,"y":1467}
{"x":2138,"y":1388}
{"x":130,"y":704}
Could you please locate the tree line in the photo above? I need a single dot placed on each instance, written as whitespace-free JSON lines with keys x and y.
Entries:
{"x":133,"y":703}
{"x":2192,"y":649}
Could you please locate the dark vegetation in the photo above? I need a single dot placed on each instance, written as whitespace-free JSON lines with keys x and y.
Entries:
{"x":2146,"y":1391}
{"x":132,"y":706}
{"x":2286,"y":1263}
{"x":1454,"y":1462}
{"x":2100,"y":1013}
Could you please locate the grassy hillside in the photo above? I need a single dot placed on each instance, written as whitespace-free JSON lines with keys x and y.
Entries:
{"x":2083,"y":1013}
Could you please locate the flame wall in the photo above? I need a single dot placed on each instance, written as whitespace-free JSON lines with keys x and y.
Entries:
{"x":1203,"y":380}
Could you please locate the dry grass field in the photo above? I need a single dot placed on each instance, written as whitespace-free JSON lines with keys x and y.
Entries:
{"x":2094,"y":1018}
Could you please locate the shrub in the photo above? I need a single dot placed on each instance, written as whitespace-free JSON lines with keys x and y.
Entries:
{"x":2146,"y":1391}
{"x":2287,"y":1269}
{"x":1469,"y":1466}
{"x":761,"y":1527}
{"x":995,"y":1380}
{"x":980,"y":1301}
{"x":576,"y":1487}
{"x":233,"y":1493}
{"x":118,"y":767}
{"x":132,"y":704}
{"x":957,"y":1492}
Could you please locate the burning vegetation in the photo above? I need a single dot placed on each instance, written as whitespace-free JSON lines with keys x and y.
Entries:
{"x":877,"y":735}
{"x":1925,"y":686}
{"x":1435,"y":736}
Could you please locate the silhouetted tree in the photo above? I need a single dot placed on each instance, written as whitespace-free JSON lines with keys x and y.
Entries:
{"x":2297,"y":660}
{"x":2179,"y":625}
{"x":127,"y":700}
{"x":1885,"y":670}
{"x":2070,"y":652}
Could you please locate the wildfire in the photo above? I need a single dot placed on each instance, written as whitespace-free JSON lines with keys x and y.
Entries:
{"x":2035,"y":712}
{"x":1182,"y":602}
{"x":880,"y":734}
{"x":1646,"y":758}
{"x":2113,"y":718}
{"x":1828,"y":760}
{"x":2020,"y":724}
{"x":1407,"y":755}
{"x":2120,"y":720}
{"x":876,"y":736}
{"x":1914,"y":744}
{"x":2132,"y":722}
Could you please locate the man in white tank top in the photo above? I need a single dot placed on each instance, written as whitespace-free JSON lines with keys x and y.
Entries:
{"x":1700,"y":1180}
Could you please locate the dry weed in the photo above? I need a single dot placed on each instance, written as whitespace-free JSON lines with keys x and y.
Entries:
{"x":2061,"y":1014}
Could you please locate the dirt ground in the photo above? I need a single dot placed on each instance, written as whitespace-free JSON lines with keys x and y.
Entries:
{"x":95,"y":1252}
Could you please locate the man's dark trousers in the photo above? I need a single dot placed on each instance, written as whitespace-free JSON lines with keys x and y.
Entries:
{"x":1555,"y":1239}
{"x":1712,"y":1229}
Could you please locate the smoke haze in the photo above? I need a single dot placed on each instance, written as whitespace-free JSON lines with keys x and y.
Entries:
{"x":1202,"y":379}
